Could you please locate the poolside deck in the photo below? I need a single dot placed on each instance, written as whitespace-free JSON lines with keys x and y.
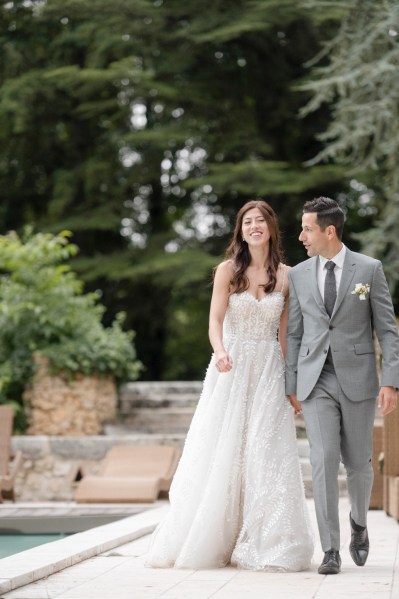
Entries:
{"x":119,"y":573}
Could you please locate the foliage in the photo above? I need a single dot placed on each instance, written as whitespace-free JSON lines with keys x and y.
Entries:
{"x":142,"y":125}
{"x":43,"y":309}
{"x":357,"y":76}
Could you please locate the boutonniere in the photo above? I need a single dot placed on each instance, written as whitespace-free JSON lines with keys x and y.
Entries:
{"x":361,"y":290}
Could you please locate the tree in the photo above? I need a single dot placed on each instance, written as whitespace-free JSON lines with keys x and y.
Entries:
{"x":357,"y":78}
{"x":43,"y":310}
{"x":142,"y":126}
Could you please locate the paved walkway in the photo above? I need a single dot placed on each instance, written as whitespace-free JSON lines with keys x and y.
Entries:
{"x":120,"y":574}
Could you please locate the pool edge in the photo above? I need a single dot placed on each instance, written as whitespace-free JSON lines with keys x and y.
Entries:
{"x":31,"y":565}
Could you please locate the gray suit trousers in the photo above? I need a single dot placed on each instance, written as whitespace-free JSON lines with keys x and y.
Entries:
{"x":338,"y":429}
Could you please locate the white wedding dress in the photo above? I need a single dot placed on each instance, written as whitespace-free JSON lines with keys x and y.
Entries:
{"x":237,"y":496}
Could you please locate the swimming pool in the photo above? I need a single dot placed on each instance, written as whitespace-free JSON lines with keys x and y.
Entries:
{"x":22,"y":533}
{"x":11,"y":544}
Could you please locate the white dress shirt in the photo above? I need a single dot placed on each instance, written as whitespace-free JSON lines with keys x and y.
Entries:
{"x":322,"y":271}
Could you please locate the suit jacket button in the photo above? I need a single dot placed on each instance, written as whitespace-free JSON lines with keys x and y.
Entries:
{"x":325,"y":351}
{"x":331,"y":327}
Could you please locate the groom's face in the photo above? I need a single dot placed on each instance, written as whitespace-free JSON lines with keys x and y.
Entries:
{"x":315,"y":240}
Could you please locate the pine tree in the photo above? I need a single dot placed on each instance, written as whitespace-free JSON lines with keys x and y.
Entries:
{"x":359,"y":81}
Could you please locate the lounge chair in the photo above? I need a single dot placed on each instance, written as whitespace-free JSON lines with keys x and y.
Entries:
{"x":9,"y":463}
{"x":130,"y":474}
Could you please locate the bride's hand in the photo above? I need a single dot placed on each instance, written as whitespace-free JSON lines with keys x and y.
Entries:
{"x":295,"y":404}
{"x":224,"y":363}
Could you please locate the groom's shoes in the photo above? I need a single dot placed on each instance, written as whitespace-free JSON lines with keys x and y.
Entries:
{"x":331,"y":563}
{"x":359,"y":545}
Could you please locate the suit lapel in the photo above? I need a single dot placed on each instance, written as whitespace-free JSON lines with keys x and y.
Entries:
{"x":348,"y":273}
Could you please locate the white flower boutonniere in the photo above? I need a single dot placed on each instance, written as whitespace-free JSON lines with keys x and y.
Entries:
{"x":361,"y":290}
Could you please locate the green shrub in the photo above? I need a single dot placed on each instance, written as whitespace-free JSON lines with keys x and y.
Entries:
{"x":43,"y":310}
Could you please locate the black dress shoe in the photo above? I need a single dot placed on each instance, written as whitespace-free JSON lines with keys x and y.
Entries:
{"x":359,"y":545}
{"x":331,"y":563}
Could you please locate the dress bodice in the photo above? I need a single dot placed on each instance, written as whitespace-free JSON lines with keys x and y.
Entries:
{"x":251,"y":319}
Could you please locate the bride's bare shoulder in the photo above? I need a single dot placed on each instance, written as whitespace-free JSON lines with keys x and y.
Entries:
{"x":223,"y":274}
{"x":226,"y":267}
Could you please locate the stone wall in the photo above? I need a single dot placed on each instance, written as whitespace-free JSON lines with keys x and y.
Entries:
{"x":51,"y":465}
{"x":67,"y":418}
{"x":61,"y":405}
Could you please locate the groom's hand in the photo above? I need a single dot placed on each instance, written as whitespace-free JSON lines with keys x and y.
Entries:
{"x":387,"y":399}
{"x":295,"y":404}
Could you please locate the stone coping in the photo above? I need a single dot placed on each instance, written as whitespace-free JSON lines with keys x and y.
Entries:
{"x":32,"y":565}
{"x":65,"y":517}
{"x":86,"y":447}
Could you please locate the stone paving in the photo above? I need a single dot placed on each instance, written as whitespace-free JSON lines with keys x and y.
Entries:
{"x":120,"y":574}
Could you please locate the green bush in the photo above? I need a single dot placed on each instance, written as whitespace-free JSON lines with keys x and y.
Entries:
{"x":43,"y":310}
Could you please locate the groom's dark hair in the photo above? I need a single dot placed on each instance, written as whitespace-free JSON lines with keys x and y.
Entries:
{"x":328,"y":213}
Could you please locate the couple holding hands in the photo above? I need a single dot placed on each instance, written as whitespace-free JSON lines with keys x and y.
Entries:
{"x":305,"y":334}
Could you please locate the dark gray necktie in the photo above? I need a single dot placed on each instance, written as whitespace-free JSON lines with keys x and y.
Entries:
{"x":330,"y":287}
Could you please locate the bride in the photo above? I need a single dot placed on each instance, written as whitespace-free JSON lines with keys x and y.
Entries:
{"x":237,"y":496}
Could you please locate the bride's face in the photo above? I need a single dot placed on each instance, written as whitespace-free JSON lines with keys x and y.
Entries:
{"x":255,"y":230}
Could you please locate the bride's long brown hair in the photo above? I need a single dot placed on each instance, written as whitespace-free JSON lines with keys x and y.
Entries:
{"x":238,"y":250}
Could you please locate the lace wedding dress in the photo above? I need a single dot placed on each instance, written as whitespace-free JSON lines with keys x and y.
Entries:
{"x":237,"y":496}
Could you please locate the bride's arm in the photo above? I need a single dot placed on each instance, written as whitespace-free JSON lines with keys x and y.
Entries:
{"x":282,"y":331}
{"x":219,"y":302}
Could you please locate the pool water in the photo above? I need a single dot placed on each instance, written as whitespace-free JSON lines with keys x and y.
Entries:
{"x":19,"y":533}
{"x":11,"y":544}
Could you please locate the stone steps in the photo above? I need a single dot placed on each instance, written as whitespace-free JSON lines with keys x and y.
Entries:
{"x":159,"y":394}
{"x":160,"y":420}
{"x":158,"y":407}
{"x":162,"y":407}
{"x":161,"y":412}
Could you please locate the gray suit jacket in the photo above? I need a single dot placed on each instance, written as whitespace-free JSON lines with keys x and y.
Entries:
{"x":349,"y":333}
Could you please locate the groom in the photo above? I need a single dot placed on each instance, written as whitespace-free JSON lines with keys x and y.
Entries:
{"x":337,"y":299}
